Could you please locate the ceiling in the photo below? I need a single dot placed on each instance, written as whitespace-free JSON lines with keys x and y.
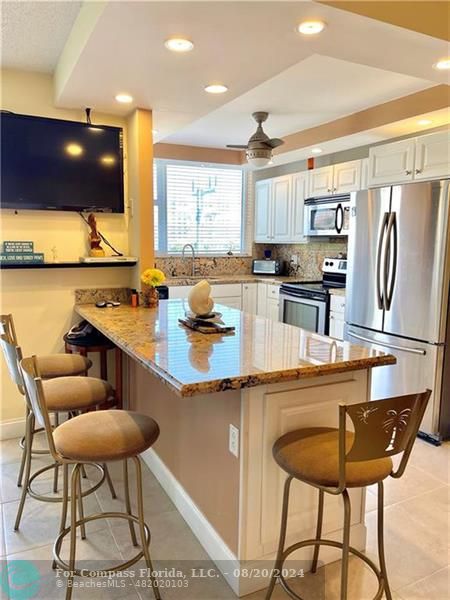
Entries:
{"x":110,"y":47}
{"x":34,"y":34}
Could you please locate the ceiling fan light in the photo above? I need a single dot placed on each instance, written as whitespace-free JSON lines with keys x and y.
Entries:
{"x":258,"y":157}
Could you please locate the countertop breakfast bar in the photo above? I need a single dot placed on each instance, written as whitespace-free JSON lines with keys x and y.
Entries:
{"x":221,"y":401}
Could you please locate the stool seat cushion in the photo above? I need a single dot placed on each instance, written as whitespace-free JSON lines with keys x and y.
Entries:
{"x":105,"y":435}
{"x":75,"y":393}
{"x":312,"y":455}
{"x":62,"y":365}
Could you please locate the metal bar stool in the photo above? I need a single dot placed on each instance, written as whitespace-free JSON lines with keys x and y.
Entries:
{"x":50,"y":366}
{"x":98,"y":343}
{"x":63,"y":395}
{"x":334,"y":460}
{"x":101,"y":436}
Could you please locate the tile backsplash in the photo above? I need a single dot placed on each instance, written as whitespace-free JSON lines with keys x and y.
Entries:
{"x":309,"y":256}
{"x":174,"y":266}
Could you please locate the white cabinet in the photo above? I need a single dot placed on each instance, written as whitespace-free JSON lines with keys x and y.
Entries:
{"x":364,"y":173}
{"x":279,"y":209}
{"x":273,"y":306}
{"x":432,"y":156}
{"x":392,"y":163}
{"x":268,"y":300}
{"x":232,"y":302}
{"x":321,"y":181}
{"x":250,"y":297}
{"x":337,"y":316}
{"x":299,"y":185}
{"x":263,"y":211}
{"x":414,"y":159}
{"x":336,"y":179}
{"x":179,"y":291}
{"x":347,"y":177}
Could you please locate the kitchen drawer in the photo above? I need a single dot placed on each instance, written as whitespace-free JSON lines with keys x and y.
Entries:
{"x":337,"y":303}
{"x":273,"y":291}
{"x":226,"y":290}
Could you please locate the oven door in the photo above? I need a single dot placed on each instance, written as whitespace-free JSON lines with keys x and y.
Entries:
{"x":327,"y":218}
{"x":306,"y":313}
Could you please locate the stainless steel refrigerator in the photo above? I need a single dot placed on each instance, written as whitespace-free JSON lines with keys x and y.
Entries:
{"x":398,"y":291}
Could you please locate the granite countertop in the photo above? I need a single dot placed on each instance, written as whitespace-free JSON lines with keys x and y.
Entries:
{"x":338,"y":292}
{"x":260,"y":351}
{"x":234,"y":278}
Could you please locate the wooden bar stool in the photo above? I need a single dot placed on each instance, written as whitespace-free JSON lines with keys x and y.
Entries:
{"x":101,"y":436}
{"x":334,"y":460}
{"x":99,"y":344}
{"x":63,"y":395}
{"x":50,"y":366}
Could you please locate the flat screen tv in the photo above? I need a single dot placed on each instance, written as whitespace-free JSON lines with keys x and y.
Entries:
{"x":49,"y":164}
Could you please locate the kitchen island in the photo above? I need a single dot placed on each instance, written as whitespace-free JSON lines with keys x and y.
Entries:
{"x":221,"y":402}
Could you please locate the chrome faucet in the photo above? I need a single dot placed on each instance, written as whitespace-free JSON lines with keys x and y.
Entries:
{"x":193,"y":269}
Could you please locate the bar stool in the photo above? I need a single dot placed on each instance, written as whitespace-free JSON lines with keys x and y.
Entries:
{"x":50,"y":366}
{"x":334,"y":460}
{"x":102,"y":436}
{"x":64,"y":395}
{"x":99,"y":344}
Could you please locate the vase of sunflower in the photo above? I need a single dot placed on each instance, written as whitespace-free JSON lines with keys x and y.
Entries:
{"x":150,"y":279}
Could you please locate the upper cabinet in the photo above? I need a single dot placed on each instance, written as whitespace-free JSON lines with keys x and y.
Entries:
{"x":279,"y":209}
{"x":424,"y":157}
{"x":432,"y":156}
{"x":336,"y":179}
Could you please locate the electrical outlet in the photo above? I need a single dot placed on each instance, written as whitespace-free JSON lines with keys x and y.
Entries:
{"x":294,"y":259}
{"x":233,"y":440}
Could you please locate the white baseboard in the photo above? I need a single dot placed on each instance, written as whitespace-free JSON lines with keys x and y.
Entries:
{"x":214,"y":545}
{"x":13,"y":428}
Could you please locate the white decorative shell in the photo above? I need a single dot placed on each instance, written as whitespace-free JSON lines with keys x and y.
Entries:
{"x":199,"y":298}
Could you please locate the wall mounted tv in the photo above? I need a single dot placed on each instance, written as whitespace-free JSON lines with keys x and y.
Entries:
{"x":49,"y":164}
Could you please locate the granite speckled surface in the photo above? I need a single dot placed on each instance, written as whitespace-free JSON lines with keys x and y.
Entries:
{"x":260,"y":351}
{"x":93,"y":295}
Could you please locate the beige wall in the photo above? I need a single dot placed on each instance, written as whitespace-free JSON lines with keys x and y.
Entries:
{"x":193,"y":445}
{"x":42,"y":300}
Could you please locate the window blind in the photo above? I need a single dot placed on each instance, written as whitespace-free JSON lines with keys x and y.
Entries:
{"x":203,"y":206}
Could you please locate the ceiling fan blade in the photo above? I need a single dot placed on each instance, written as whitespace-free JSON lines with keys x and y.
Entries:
{"x":274,"y":142}
{"x":238,"y":146}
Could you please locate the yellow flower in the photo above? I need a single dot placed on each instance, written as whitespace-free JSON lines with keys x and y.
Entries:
{"x":153,"y":277}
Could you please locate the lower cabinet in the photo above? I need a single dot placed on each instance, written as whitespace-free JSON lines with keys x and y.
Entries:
{"x":337,"y":316}
{"x":268,"y":300}
{"x":250,"y":298}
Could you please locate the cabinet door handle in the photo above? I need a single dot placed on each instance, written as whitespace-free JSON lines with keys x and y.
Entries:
{"x":329,"y":190}
{"x":407,"y":172}
{"x":418,"y":171}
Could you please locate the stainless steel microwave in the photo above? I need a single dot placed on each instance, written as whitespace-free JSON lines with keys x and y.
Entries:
{"x":327,"y":216}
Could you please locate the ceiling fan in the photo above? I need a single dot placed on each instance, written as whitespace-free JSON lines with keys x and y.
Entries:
{"x":259,"y":148}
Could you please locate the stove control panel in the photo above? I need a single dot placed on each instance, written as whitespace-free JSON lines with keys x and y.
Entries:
{"x":334,"y":265}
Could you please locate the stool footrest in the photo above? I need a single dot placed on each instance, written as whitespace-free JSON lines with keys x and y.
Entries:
{"x":58,"y":561}
{"x":334,"y":544}
{"x":42,"y":498}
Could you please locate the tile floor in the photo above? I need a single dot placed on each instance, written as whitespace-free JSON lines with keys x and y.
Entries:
{"x":417,"y":526}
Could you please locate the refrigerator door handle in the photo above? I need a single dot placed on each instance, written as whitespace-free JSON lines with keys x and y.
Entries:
{"x":380,"y":295}
{"x":392,"y":237}
{"x":391,"y":346}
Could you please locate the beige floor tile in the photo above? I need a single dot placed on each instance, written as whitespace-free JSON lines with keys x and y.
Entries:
{"x":434,"y":460}
{"x":413,"y":483}
{"x":433,"y":587}
{"x":43,"y":484}
{"x":10,"y":451}
{"x":412,"y":552}
{"x":432,"y":512}
{"x":40,"y":522}
{"x":98,"y":551}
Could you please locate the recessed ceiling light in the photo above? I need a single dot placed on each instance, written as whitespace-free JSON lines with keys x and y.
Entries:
{"x":124,"y":98}
{"x":316,"y":150}
{"x":108,"y":160}
{"x":178,"y":44}
{"x":442,"y":64}
{"x":424,"y":122}
{"x":311,"y":27}
{"x":216,"y":88}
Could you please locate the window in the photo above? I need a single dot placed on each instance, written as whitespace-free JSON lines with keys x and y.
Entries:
{"x":198,"y":205}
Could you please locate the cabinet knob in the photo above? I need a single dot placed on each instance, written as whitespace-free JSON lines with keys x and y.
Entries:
{"x":329,"y":190}
{"x":407,"y":172}
{"x":418,"y":171}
